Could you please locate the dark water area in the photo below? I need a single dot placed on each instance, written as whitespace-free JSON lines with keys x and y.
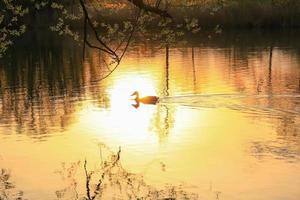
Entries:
{"x":227,"y":124}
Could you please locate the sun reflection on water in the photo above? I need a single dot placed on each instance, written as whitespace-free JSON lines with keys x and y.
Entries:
{"x":126,"y":124}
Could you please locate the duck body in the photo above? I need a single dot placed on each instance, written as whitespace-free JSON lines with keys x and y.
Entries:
{"x":146,"y":99}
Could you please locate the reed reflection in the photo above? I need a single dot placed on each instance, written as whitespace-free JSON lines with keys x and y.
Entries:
{"x":42,"y":85}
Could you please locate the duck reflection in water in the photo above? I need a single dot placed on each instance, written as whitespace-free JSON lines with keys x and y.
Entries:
{"x":145,"y":100}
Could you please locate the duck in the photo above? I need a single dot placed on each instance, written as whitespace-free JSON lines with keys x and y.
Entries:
{"x":145,"y":100}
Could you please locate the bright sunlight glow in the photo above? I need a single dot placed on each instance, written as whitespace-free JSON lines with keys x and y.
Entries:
{"x":123,"y":88}
{"x":125,"y":123}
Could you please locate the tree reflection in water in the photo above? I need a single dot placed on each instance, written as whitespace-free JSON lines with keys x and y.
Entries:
{"x":110,"y":180}
{"x":8,"y":190}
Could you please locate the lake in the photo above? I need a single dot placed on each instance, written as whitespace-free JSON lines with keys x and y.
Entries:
{"x":227,"y":125}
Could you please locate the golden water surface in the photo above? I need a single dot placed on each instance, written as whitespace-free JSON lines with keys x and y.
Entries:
{"x":227,"y":125}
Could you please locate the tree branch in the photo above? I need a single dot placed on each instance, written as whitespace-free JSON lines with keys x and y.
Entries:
{"x":88,"y":20}
{"x":140,"y":4}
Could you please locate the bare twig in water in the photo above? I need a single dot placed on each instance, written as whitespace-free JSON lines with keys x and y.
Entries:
{"x":88,"y":179}
{"x":112,"y":181}
{"x":8,"y":189}
{"x":88,"y":175}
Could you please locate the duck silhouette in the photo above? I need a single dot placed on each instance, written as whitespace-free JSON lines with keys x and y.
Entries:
{"x":145,"y":100}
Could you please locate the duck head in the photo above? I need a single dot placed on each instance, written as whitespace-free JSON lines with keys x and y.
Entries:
{"x":136,"y":94}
